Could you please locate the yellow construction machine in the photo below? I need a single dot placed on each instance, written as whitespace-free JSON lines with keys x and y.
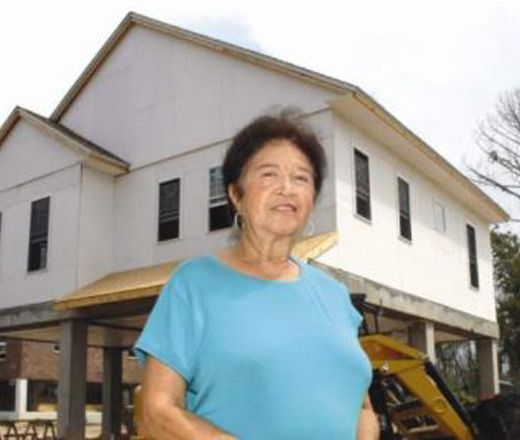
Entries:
{"x":411,"y":398}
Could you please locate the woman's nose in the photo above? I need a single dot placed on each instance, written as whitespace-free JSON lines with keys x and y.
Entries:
{"x":287,"y":183}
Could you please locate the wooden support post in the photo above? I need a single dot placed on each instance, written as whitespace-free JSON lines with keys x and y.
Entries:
{"x":112,"y":393}
{"x":72,"y":380}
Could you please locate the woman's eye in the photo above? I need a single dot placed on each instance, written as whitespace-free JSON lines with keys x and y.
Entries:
{"x":303,"y":178}
{"x":268,"y":174}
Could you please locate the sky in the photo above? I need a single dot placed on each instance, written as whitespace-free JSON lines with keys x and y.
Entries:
{"x":439,"y":67}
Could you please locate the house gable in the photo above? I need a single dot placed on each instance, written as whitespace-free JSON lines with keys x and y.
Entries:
{"x":32,"y":146}
{"x":156,"y":94}
{"x":27,"y":153}
{"x":133,"y":19}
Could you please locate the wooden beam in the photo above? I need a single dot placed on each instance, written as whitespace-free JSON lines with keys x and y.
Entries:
{"x":43,"y":314}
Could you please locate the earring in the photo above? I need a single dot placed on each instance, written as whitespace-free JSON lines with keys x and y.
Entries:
{"x":238,"y":222}
{"x":310,"y":228}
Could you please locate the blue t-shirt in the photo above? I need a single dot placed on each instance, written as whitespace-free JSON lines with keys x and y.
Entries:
{"x":263,"y":359}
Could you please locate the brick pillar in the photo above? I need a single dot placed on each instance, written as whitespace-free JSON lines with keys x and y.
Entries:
{"x":421,"y":336}
{"x":487,"y":358}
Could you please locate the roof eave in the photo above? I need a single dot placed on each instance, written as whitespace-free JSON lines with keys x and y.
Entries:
{"x":9,"y":123}
{"x":89,"y":157}
{"x":497,"y":213}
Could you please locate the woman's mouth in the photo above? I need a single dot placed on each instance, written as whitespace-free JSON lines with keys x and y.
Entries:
{"x":285,"y":207}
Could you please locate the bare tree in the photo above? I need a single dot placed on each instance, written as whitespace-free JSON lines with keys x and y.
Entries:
{"x":498,"y":138}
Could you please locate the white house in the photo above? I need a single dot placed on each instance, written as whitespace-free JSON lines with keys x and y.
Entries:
{"x":100,"y":199}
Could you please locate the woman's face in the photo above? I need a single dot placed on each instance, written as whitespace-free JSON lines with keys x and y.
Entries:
{"x":277,"y":190}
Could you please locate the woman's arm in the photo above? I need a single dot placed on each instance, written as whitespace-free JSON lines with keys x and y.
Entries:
{"x":164,"y":416}
{"x":368,"y":425}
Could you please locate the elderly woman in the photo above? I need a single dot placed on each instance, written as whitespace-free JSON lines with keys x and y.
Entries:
{"x":253,"y":343}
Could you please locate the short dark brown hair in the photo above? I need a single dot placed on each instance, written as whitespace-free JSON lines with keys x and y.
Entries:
{"x":264,"y":129}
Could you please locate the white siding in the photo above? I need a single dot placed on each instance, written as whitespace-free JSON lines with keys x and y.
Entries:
{"x":433,"y":266}
{"x":136,"y":196}
{"x":96,"y":228}
{"x":157,"y":96}
{"x":28,"y":153}
{"x":17,"y":286}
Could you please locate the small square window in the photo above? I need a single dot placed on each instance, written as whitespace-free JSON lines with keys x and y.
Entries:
{"x":439,"y":217}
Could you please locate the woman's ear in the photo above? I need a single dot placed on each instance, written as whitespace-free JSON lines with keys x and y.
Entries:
{"x":235,"y":195}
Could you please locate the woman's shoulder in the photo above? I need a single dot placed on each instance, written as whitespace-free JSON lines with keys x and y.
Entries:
{"x":189,"y":277}
{"x":191,"y":267}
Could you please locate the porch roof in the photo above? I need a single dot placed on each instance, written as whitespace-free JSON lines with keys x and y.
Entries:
{"x":147,"y":281}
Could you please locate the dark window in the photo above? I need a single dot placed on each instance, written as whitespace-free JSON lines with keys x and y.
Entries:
{"x":39,"y":234}
{"x":472,"y":252}
{"x":94,"y":394}
{"x":7,"y":395}
{"x":41,"y":393}
{"x":169,"y":207}
{"x":362,"y":184}
{"x":220,"y":211}
{"x":405,"y":224}
{"x":3,"y":351}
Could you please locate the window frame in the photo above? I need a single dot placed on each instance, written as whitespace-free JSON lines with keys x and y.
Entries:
{"x":369,"y":219}
{"x":209,"y":202}
{"x":158,"y":210}
{"x":468,"y":255}
{"x":3,"y":351}
{"x":398,"y":177}
{"x":47,"y":236}
{"x":445,"y":222}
